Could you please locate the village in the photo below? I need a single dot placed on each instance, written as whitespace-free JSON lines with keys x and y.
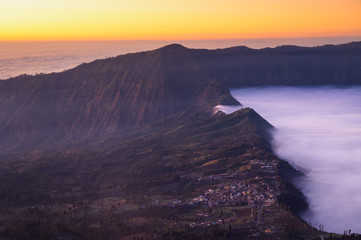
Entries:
{"x":230,"y":201}
{"x":221,"y":203}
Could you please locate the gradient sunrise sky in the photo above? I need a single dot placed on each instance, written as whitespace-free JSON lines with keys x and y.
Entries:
{"x":59,"y":20}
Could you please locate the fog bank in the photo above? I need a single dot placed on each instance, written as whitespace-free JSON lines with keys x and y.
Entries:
{"x":318,"y":130}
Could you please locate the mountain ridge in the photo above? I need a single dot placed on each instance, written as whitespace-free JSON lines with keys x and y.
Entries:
{"x":105,"y":95}
{"x":133,"y":90}
{"x":100,"y":148}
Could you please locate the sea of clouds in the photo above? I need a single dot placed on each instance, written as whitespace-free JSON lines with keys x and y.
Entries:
{"x":318,"y":130}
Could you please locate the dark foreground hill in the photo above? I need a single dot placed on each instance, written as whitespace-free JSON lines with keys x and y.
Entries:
{"x":130,"y":147}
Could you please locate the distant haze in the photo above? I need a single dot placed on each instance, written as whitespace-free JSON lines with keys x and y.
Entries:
{"x":44,"y":57}
{"x":318,"y":130}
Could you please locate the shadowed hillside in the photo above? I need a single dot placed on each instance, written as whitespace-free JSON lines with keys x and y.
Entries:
{"x":148,"y":163}
{"x":130,"y":147}
{"x":101,"y":97}
{"x":133,"y":90}
{"x":285,"y":65}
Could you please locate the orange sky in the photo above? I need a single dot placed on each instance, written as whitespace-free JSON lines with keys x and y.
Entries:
{"x":47,"y":20}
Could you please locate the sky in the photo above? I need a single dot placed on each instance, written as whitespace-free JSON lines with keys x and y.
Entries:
{"x":317,"y":130}
{"x":94,"y":20}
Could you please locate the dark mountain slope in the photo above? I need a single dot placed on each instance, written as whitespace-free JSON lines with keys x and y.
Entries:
{"x":176,"y":146}
{"x":285,"y":65}
{"x":70,"y":191}
{"x":101,"y":97}
{"x":105,"y":97}
{"x":139,"y":127}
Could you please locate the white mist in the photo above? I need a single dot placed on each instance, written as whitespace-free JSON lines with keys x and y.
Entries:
{"x":318,"y":130}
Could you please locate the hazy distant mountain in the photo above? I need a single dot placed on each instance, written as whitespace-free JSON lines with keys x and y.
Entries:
{"x":285,"y":65}
{"x":134,"y":90}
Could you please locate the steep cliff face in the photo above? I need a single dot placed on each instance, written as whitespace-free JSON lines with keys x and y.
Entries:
{"x":101,"y":97}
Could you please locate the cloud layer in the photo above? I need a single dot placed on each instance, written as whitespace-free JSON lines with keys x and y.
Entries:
{"x":318,"y":131}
